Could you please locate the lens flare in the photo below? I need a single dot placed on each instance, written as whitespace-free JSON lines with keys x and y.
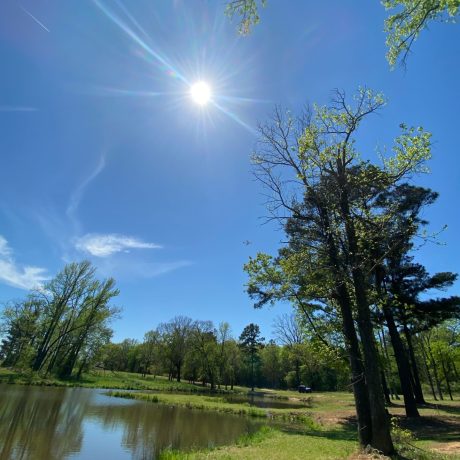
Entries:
{"x":200,"y":92}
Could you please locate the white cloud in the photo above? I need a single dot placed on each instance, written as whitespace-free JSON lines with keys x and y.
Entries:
{"x":25,"y":277}
{"x":105,"y":245}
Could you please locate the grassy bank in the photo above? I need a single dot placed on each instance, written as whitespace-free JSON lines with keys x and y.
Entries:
{"x":219,"y":404}
{"x":274,"y":443}
{"x":102,"y":379}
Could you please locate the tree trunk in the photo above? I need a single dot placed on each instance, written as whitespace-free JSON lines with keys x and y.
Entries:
{"x":446,"y":376}
{"x":381,"y":437}
{"x":360,"y":391}
{"x":427,"y":369}
{"x":402,"y":363}
{"x":418,"y":391}
{"x":435,"y":373}
{"x":394,"y":394}
{"x":386,"y":391}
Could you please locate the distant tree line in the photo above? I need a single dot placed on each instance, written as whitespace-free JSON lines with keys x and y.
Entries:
{"x":200,"y":353}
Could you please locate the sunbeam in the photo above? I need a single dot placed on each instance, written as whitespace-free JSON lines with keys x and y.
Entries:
{"x":234,"y":117}
{"x":124,"y":27}
{"x":193,"y":81}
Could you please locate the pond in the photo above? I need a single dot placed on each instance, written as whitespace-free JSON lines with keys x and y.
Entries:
{"x":49,"y":423}
{"x":267,"y":402}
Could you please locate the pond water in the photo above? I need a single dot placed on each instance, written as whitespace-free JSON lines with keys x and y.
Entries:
{"x":49,"y":423}
{"x":266,"y":402}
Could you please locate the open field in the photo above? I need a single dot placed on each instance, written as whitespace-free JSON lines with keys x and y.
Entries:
{"x":324,"y":428}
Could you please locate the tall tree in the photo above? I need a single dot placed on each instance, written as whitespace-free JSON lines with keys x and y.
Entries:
{"x":320,"y":182}
{"x":289,"y":332}
{"x":223,"y":339}
{"x":175,"y":337}
{"x":203,"y":340}
{"x":250,"y":343}
{"x":61,"y":325}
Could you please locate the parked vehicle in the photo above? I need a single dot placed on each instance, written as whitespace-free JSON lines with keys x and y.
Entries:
{"x":304,"y":389}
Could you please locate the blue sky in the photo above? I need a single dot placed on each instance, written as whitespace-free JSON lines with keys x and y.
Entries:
{"x":105,"y":156}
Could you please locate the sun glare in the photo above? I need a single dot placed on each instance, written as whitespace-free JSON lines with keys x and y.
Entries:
{"x":200,"y":92}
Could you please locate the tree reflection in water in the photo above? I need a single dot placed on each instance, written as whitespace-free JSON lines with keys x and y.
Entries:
{"x":56,"y":423}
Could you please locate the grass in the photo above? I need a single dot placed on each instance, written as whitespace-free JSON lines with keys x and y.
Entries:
{"x":323,"y":429}
{"x":103,"y":379}
{"x":215,"y":403}
{"x":273,"y":443}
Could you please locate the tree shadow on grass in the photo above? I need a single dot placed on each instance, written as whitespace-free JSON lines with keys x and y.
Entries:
{"x":344,"y":432}
{"x":433,"y":428}
{"x":451,"y":409}
{"x":426,"y":428}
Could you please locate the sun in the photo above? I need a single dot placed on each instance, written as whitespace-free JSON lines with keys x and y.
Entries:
{"x":200,"y":92}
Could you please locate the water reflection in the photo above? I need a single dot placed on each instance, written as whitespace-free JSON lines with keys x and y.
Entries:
{"x":57,"y":423}
{"x":266,"y":403}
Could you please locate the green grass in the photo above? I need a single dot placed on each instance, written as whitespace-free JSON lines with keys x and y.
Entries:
{"x":198,"y":402}
{"x":275,"y":443}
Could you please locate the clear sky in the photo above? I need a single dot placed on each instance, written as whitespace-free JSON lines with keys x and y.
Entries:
{"x":105,"y":156}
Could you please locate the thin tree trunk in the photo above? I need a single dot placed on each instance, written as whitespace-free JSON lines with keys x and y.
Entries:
{"x":400,"y":354}
{"x":446,"y":376}
{"x":418,"y":391}
{"x":435,"y":373}
{"x":427,"y":369}
{"x":386,"y":391}
{"x":390,"y":367}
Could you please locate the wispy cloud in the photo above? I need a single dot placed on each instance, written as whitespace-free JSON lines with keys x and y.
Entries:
{"x":23,"y":277}
{"x":133,"y":270}
{"x":105,"y":245}
{"x":78,"y":193}
{"x":34,"y":18}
